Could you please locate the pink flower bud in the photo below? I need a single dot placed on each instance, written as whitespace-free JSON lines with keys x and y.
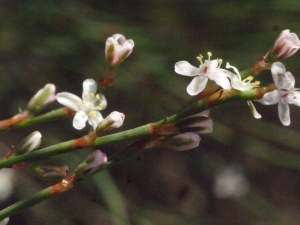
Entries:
{"x":113,"y":120}
{"x":42,"y":98}
{"x":182,"y":142}
{"x":47,"y":169}
{"x":117,"y":49}
{"x":94,"y":161}
{"x":286,"y":45}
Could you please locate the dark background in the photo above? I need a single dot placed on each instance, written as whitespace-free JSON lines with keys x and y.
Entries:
{"x":62,"y":42}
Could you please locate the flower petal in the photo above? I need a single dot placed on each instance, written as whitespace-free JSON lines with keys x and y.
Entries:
{"x":294,"y":98}
{"x":89,"y":87}
{"x":253,"y":110}
{"x":95,"y":118}
{"x":70,"y":100}
{"x":197,"y":85}
{"x":284,"y":113}
{"x":220,"y":78}
{"x":186,"y":69}
{"x":79,"y":120}
{"x":270,"y":98}
{"x":278,"y":73}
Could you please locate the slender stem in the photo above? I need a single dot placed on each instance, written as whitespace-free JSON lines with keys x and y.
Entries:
{"x":64,"y":185}
{"x":50,"y":116}
{"x":25,"y":203}
{"x":220,"y":97}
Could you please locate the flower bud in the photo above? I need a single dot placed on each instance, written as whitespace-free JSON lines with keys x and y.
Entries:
{"x":182,"y":142}
{"x":199,"y":123}
{"x":42,"y":98}
{"x":5,"y":221}
{"x":95,"y":160}
{"x":47,"y":169}
{"x":117,"y":49}
{"x":113,"y":120}
{"x":286,"y":45}
{"x":30,"y":143}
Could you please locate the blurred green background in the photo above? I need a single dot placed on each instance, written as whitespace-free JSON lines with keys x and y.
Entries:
{"x":246,"y":172}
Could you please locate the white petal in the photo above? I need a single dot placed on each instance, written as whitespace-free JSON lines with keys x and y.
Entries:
{"x":278,"y":73}
{"x":69,"y":100}
{"x":79,"y":120}
{"x":294,"y":99}
{"x":186,"y":69}
{"x":284,"y":113}
{"x":270,"y":98}
{"x":119,"y":38}
{"x":290,"y":81}
{"x":253,"y":110}
{"x":95,"y":119}
{"x":220,"y":78}
{"x":89,"y":87}
{"x":235,"y":70}
{"x":197,"y":85}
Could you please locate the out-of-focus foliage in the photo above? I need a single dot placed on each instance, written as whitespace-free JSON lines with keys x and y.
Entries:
{"x":62,"y":42}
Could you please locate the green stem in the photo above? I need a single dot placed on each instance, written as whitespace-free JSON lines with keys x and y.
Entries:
{"x":25,"y":203}
{"x":49,"y":192}
{"x":221,"y":97}
{"x":47,"y":117}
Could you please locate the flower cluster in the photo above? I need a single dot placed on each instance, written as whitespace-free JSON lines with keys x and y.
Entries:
{"x":284,"y":94}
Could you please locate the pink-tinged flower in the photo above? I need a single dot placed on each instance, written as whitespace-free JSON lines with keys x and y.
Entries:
{"x":286,"y":45}
{"x":42,"y":98}
{"x":117,"y":49}
{"x":113,"y":120}
{"x":94,"y":161}
{"x":182,"y":142}
{"x":87,"y":108}
{"x":285,"y":93}
{"x":210,"y":69}
{"x":199,"y":123}
{"x":244,"y":85}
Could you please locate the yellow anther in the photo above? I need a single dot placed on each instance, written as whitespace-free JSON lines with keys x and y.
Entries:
{"x":92,"y":113}
{"x":209,"y":54}
{"x":97,"y":96}
{"x":249,"y":78}
{"x":220,"y":61}
{"x":256,"y":83}
{"x":92,"y":95}
{"x":200,"y":57}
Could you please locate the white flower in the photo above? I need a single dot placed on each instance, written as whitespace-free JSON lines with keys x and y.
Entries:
{"x":42,"y":98}
{"x":285,"y":93}
{"x":286,"y":45}
{"x":114,"y":120}
{"x":244,"y":85}
{"x":117,"y":48}
{"x":207,"y":70}
{"x":87,"y":108}
{"x":30,"y":143}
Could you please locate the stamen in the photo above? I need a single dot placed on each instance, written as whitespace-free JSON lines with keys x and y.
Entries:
{"x":92,"y":95}
{"x":220,"y":62}
{"x":200,"y":57}
{"x":97,"y":97}
{"x":92,"y":113}
{"x":256,"y":84}
{"x":209,"y":55}
{"x":249,"y":78}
